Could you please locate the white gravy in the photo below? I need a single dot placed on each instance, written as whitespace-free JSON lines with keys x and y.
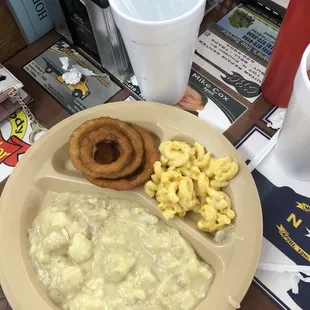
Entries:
{"x":96,"y":253}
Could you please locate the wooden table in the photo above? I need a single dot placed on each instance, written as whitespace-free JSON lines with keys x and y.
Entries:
{"x":11,"y":40}
{"x":50,"y":112}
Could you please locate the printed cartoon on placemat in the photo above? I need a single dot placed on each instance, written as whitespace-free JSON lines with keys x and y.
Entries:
{"x":70,"y":78}
{"x":14,"y":141}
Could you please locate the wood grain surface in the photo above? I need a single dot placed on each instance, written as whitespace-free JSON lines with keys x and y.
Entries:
{"x":4,"y":305}
{"x":11,"y":39}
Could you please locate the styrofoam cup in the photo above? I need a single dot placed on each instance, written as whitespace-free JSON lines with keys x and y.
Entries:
{"x":292,"y":151}
{"x":160,"y":43}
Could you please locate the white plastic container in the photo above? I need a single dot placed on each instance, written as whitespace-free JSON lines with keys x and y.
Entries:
{"x":292,"y":152}
{"x":160,"y":43}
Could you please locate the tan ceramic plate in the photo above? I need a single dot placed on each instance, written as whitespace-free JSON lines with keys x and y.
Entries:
{"x":45,"y":170}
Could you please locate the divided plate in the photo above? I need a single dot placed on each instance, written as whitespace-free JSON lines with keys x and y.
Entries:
{"x":46,"y":170}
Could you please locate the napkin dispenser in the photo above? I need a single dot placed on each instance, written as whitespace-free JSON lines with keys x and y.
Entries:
{"x":110,"y":45}
{"x":89,"y":25}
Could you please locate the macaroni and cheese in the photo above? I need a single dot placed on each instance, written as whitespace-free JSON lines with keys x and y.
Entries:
{"x":190,"y":179}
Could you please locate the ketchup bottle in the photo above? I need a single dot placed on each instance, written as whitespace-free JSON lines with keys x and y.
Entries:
{"x":292,"y":40}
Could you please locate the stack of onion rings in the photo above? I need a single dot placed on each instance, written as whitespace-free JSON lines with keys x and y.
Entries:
{"x":124,"y":153}
{"x":106,"y":152}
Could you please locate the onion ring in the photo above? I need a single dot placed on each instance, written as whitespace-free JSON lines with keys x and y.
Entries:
{"x":151,"y":155}
{"x":94,"y":124}
{"x":106,"y":152}
{"x":107,"y":134}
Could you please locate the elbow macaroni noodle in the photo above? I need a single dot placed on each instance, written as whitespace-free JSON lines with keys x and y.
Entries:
{"x":190,"y":179}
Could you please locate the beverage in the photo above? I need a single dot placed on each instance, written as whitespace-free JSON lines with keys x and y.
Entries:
{"x":292,"y":148}
{"x":158,"y":10}
{"x":160,"y":37}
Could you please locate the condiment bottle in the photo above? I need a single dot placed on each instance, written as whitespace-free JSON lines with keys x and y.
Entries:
{"x":292,"y":40}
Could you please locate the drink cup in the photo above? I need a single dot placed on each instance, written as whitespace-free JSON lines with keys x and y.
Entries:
{"x":160,"y":37}
{"x":292,"y":151}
